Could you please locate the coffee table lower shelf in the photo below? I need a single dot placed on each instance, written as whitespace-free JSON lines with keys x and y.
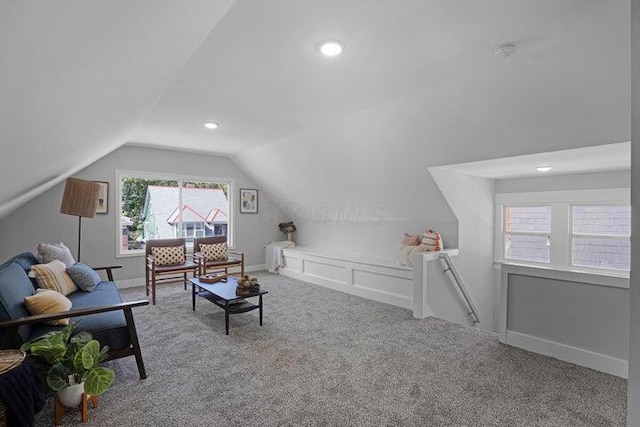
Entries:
{"x":224,"y":296}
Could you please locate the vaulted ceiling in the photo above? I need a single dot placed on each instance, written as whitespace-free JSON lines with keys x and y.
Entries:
{"x":417,"y":85}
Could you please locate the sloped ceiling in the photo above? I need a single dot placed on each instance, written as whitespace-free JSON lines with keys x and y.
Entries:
{"x":416,"y":86}
{"x":78,"y":76}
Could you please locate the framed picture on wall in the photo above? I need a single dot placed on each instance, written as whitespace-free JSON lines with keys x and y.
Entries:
{"x":248,"y":200}
{"x":103,"y":199}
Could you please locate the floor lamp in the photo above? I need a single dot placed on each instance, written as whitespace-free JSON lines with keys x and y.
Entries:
{"x":80,"y":199}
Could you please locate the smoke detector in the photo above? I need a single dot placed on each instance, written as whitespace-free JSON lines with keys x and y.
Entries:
{"x":504,"y":50}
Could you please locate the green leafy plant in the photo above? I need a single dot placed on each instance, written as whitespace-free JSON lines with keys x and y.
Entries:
{"x":70,"y":360}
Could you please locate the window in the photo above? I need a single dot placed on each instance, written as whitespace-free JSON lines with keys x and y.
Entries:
{"x":155,"y":206}
{"x":527,"y":233}
{"x":585,"y":230}
{"x":600,"y":236}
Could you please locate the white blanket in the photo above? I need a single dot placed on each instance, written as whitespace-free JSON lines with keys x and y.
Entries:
{"x":273,"y":254}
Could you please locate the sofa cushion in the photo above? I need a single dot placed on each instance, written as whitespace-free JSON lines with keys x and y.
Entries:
{"x":46,"y":301}
{"x":14,"y":287}
{"x":108,"y":328}
{"x":54,"y":276}
{"x":85,"y":277}
{"x":48,"y":252}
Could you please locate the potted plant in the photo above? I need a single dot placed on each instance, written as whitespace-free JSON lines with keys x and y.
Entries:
{"x":71,"y":364}
{"x":287,"y":228}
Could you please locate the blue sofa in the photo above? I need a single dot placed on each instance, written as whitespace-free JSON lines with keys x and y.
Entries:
{"x":100,"y":312}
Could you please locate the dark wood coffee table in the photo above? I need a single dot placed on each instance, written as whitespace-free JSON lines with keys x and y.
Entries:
{"x":224,"y":296}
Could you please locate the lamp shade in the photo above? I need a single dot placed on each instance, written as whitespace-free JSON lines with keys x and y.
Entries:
{"x":80,"y":198}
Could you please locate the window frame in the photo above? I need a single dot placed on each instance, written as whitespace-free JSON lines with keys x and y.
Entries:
{"x":505,"y":232}
{"x":120,"y":174}
{"x":573,"y":235}
{"x":561,"y":223}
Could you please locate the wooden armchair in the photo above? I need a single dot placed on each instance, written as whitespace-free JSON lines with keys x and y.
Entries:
{"x":205,"y":264}
{"x":166,"y":263}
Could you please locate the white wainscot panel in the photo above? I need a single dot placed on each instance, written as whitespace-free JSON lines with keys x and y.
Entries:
{"x":322,"y":270}
{"x":370,"y":277}
{"x":294,"y":264}
{"x":377,"y":285}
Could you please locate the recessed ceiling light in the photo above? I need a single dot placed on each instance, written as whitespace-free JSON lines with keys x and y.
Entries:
{"x":331,"y":49}
{"x":543,"y":168}
{"x":211,"y":125}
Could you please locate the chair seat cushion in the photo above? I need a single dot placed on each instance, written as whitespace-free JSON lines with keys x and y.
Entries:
{"x":228,"y":261}
{"x":108,"y":328}
{"x":185,"y":266}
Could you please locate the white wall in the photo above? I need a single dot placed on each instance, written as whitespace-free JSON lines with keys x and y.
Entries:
{"x":352,"y":189}
{"x":472,"y":201}
{"x":39,"y":220}
{"x":578,"y":181}
{"x":578,"y":314}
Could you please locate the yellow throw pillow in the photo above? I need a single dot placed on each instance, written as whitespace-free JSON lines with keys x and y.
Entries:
{"x":214,"y":251}
{"x":46,"y":301}
{"x":168,"y":255}
{"x":54,"y":276}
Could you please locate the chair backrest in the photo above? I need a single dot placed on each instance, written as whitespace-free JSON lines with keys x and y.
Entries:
{"x":207,"y":240}
{"x":180,"y":241}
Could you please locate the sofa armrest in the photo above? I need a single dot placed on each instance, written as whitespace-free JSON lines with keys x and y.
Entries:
{"x":108,"y":269}
{"x":14,"y":323}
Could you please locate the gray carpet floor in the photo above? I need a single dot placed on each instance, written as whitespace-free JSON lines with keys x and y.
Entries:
{"x":324,"y":358}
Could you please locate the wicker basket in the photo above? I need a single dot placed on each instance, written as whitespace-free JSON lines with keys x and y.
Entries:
{"x":9,"y":359}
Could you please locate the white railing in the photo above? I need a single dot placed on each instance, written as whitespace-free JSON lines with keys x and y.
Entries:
{"x":456,"y":280}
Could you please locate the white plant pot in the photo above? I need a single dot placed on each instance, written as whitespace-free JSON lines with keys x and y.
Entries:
{"x":71,"y":396}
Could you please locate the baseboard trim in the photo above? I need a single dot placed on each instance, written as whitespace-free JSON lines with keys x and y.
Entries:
{"x":134,"y":283}
{"x":579,"y":356}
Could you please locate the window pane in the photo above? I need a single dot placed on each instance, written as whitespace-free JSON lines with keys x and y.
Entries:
{"x":526,"y":248}
{"x":528,"y":219}
{"x":604,"y":220}
{"x":205,"y":209}
{"x":146,"y":205}
{"x":601,"y":253}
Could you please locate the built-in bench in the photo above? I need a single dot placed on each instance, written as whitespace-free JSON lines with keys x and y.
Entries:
{"x":373,"y":277}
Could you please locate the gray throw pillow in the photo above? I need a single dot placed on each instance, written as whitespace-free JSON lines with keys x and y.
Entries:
{"x":48,"y":252}
{"x":85,"y":277}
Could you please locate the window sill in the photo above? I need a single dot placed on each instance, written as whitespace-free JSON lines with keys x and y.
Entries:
{"x":596,"y":277}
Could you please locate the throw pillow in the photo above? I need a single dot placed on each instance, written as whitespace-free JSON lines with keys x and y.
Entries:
{"x":168,"y":255}
{"x":214,"y":251}
{"x":53,"y":276}
{"x":85,"y":277}
{"x":431,"y":240}
{"x":410,"y":240}
{"x":48,"y":252}
{"x":46,"y":301}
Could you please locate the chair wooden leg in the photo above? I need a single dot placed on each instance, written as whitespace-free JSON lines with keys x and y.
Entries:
{"x":146,"y":279}
{"x":153,"y":288}
{"x":135,"y":344}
